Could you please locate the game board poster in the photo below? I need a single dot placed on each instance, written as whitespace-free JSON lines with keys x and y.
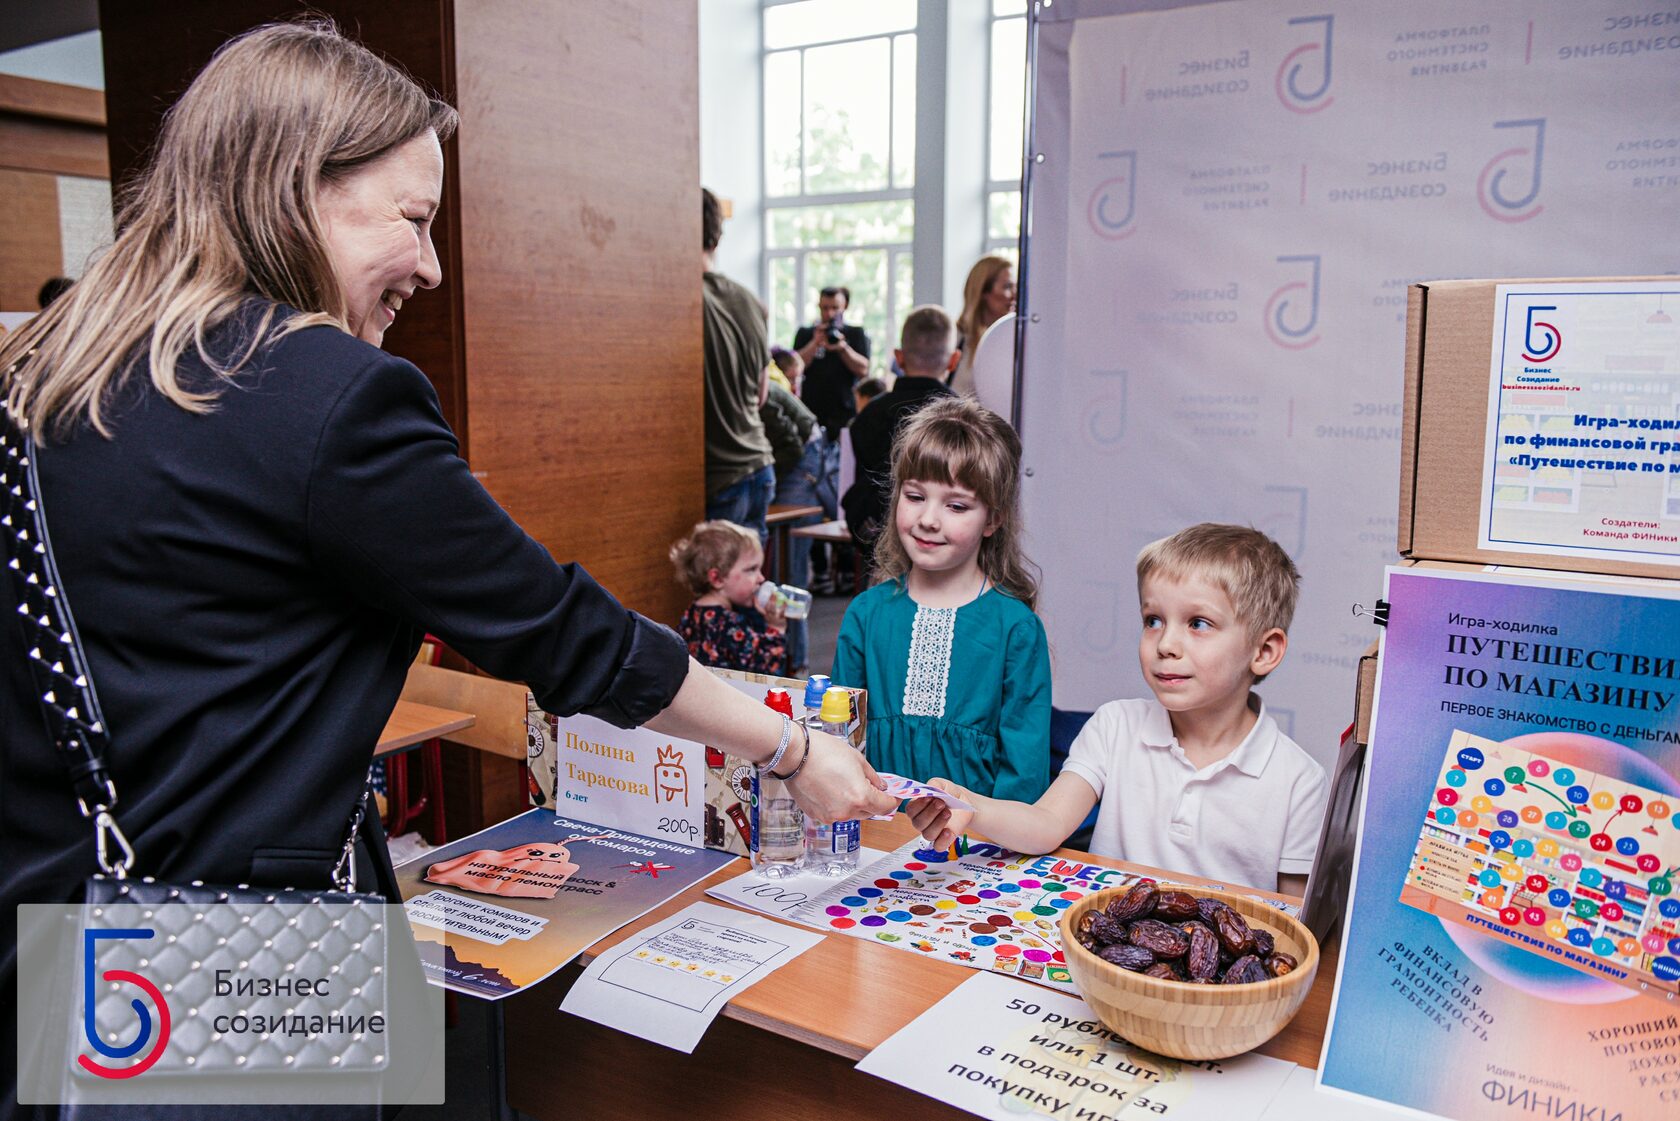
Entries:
{"x":513,"y":903}
{"x":985,"y":908}
{"x":1512,"y":945}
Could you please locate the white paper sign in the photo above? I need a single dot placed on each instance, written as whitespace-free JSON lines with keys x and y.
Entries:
{"x":667,"y":983}
{"x":1002,"y":1049}
{"x":1300,"y":1100}
{"x":633,"y":779}
{"x":1583,"y":429}
{"x":782,"y":897}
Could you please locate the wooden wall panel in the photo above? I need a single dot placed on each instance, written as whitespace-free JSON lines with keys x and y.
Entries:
{"x":579,"y":160}
{"x":146,"y":71}
{"x":32,"y":144}
{"x":30,"y":251}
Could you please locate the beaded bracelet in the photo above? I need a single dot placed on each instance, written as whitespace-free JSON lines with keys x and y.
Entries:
{"x":803,"y":759}
{"x":781,"y":748}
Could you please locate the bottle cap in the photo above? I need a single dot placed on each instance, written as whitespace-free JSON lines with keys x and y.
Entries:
{"x":779,"y":700}
{"x":814,"y":690}
{"x":836,"y":706}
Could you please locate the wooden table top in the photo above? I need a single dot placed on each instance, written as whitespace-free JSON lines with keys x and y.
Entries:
{"x":847,"y":995}
{"x":413,"y":723}
{"x":823,"y":531}
{"x":780,"y":515}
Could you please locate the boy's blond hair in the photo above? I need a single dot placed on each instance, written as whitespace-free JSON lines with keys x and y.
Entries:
{"x":1249,"y":567}
{"x":715,"y":544}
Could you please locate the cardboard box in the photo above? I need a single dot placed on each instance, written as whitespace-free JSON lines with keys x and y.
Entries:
{"x":1449,"y":340}
{"x":725,"y":809}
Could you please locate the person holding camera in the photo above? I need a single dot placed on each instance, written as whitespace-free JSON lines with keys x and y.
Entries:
{"x":836,"y":356}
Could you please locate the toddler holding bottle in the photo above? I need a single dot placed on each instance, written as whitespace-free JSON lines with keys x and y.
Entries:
{"x":723,"y":565}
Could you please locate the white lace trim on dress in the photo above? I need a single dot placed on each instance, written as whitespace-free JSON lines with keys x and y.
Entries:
{"x":930,"y":661}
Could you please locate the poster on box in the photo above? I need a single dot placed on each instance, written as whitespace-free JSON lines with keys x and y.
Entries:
{"x":1512,"y":941}
{"x":1583,"y":429}
{"x":513,"y":903}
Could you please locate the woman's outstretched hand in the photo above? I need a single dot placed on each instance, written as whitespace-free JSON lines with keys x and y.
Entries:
{"x":838,"y":784}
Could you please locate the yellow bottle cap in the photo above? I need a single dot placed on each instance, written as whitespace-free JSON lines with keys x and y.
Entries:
{"x":836,"y":706}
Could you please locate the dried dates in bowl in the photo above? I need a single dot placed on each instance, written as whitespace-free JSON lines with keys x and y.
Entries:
{"x":1177,"y":936}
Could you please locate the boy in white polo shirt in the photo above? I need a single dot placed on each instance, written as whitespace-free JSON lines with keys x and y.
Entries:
{"x":1199,"y":779}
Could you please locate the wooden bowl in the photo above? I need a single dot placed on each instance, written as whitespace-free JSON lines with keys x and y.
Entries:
{"x":1189,"y":1021}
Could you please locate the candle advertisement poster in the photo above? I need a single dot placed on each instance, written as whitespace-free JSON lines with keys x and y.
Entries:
{"x":1512,"y":944}
{"x":511,"y":904}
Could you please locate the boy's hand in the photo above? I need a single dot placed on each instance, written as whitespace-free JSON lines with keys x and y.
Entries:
{"x":938,"y":822}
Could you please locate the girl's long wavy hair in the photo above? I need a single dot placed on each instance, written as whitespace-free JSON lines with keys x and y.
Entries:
{"x":956,"y":441}
{"x":224,"y":211}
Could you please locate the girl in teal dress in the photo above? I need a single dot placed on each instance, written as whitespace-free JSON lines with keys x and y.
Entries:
{"x":956,"y":663}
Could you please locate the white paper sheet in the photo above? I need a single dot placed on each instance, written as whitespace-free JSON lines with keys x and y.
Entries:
{"x":1299,"y":1100}
{"x":782,"y":897}
{"x":1003,"y":1049}
{"x":667,"y":983}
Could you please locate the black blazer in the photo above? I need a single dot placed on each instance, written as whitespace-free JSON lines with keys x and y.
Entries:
{"x":250,"y":585}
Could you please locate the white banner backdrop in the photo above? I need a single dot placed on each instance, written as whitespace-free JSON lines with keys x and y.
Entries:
{"x":1230,"y":202}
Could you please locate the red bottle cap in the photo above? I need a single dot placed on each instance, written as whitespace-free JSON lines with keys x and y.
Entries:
{"x":779,"y":700}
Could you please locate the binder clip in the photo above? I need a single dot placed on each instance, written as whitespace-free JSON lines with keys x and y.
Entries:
{"x":1377,"y":614}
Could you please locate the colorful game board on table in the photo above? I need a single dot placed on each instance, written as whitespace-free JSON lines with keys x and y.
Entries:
{"x":987,"y":909}
{"x":1571,"y":865}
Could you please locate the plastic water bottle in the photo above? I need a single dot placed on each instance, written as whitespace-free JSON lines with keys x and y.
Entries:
{"x":778,"y":849}
{"x":814,"y":690}
{"x":795,"y":602}
{"x":832,"y":850}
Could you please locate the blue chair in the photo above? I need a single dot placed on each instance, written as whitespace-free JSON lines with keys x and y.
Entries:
{"x":1064,"y":729}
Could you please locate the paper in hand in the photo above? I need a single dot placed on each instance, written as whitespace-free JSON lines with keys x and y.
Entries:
{"x":907,"y":788}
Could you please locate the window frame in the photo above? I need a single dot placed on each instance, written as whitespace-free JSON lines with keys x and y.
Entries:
{"x":994,"y":187}
{"x":804,"y":200}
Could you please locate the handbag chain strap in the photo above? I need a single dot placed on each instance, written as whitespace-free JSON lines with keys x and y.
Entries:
{"x":59,"y":668}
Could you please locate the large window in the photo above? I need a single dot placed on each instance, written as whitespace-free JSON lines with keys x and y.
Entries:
{"x":1006,"y":78}
{"x":839,"y":161}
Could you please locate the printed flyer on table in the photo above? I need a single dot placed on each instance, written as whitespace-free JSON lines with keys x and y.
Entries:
{"x":1513,"y":938}
{"x":513,"y":903}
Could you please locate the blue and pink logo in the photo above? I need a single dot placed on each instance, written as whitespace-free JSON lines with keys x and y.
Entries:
{"x":1303,"y":81}
{"x":1500,"y":181}
{"x":1113,"y":203}
{"x":90,"y":1002}
{"x":1292,"y":311}
{"x":1544,"y":346}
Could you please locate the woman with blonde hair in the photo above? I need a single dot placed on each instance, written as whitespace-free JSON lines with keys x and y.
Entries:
{"x":988,"y":295}
{"x":256,"y":512}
